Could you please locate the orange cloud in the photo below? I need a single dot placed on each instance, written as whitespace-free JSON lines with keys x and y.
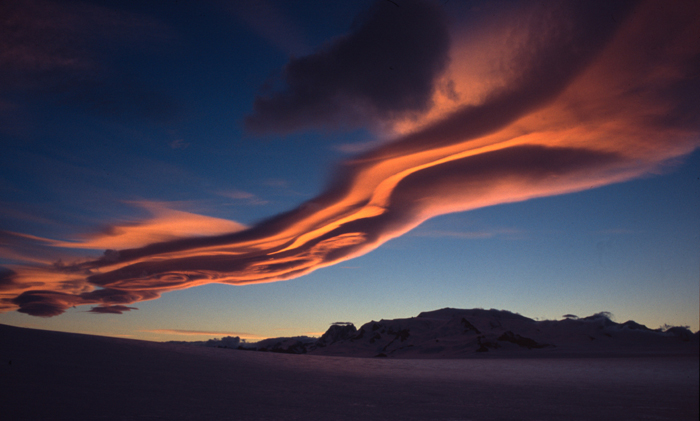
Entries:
{"x":156,"y":229}
{"x":584,"y":102}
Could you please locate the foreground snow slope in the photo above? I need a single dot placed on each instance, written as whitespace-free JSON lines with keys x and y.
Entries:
{"x":60,"y":376}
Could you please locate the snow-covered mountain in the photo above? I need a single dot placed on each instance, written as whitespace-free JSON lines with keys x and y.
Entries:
{"x":457,"y":333}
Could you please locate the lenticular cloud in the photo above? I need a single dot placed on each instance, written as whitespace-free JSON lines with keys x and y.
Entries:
{"x":553,"y":99}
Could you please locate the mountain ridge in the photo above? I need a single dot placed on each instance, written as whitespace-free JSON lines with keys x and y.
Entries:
{"x":466,"y":333}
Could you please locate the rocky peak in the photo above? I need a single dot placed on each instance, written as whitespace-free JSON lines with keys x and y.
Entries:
{"x":337,"y":332}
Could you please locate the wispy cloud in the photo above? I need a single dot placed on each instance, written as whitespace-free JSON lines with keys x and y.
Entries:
{"x":26,"y":248}
{"x":275,"y":182}
{"x":242,"y":196}
{"x":586,"y":101}
{"x":11,"y":211}
{"x":467,"y":235}
{"x":614,"y":231}
{"x":270,"y":22}
{"x":179,"y":144}
{"x":51,"y":46}
{"x":359,"y":147}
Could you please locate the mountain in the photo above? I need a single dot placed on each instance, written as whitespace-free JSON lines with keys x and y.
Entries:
{"x":458,"y":333}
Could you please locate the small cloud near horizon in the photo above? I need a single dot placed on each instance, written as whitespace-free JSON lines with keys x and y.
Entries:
{"x":242,"y":335}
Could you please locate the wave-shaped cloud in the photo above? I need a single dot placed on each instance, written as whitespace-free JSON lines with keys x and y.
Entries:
{"x":587,"y":100}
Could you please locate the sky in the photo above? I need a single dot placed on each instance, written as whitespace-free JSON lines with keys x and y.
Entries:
{"x":187,"y":170}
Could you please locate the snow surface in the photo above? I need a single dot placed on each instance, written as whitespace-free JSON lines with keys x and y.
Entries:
{"x":61,"y":376}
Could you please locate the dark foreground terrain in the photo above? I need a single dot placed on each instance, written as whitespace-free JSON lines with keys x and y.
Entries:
{"x":61,"y":376}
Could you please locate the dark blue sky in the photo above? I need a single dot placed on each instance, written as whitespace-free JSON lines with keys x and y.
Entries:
{"x":380,"y":160}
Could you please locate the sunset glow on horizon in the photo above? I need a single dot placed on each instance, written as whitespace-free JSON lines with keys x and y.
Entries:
{"x":504,"y":103}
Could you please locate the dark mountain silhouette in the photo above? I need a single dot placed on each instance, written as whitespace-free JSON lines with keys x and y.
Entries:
{"x":457,"y":333}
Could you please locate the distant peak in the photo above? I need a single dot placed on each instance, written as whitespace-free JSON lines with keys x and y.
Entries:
{"x":449,"y":313}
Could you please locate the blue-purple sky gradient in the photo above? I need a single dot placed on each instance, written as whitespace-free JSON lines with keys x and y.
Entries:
{"x":128,"y":124}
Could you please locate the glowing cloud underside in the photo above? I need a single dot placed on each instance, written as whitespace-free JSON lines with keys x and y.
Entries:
{"x":584,"y":101}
